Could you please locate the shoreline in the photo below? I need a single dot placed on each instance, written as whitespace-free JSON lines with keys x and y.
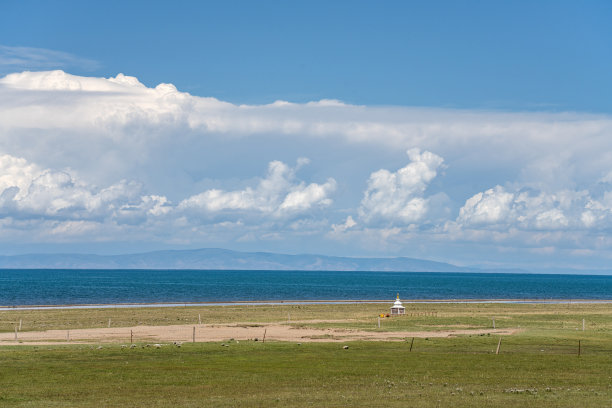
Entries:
{"x":295,"y":302}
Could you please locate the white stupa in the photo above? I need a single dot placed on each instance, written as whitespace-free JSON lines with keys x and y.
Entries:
{"x":397,"y":308}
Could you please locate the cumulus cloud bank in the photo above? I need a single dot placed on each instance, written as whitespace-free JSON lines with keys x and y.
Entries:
{"x":169,"y":162}
{"x":530,"y":210}
{"x":28,"y":191}
{"x":497,"y":207}
{"x":111,"y":103}
{"x":277,"y":195}
{"x":398,"y":196}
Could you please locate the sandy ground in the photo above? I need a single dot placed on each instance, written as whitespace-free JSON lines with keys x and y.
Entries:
{"x":222,"y":332}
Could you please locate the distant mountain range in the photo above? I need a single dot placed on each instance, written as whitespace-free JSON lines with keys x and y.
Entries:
{"x":211,"y":258}
{"x":224,"y":259}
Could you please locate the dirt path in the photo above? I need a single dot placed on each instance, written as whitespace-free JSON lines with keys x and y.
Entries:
{"x":223,"y":332}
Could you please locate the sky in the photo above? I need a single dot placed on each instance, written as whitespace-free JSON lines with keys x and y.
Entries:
{"x":476,"y":133}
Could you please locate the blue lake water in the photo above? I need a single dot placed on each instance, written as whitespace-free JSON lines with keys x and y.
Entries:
{"x":69,"y":287}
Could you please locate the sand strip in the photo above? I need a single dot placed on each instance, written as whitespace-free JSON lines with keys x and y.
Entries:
{"x":298,"y":302}
{"x":222,"y":332}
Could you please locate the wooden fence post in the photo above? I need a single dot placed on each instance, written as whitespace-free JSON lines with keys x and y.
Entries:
{"x":199,"y":318}
{"x":194,"y":334}
{"x":264,"y":337}
{"x":411,"y":343}
{"x":498,"y":345}
{"x":579,"y":348}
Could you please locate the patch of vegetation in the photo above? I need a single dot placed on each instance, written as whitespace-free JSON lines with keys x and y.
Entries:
{"x":253,"y":374}
{"x":538,"y":367}
{"x":419,"y":316}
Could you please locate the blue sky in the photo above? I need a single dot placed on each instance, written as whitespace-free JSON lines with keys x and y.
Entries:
{"x":474,"y":54}
{"x":467,"y":132}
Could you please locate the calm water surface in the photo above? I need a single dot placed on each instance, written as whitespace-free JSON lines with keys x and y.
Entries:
{"x":65,"y":287}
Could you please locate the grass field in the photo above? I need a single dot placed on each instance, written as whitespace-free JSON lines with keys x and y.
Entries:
{"x":538,"y":367}
{"x":420,"y":316}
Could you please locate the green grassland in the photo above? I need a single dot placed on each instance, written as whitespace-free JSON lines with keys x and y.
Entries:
{"x":537,"y":367}
{"x":419,"y":316}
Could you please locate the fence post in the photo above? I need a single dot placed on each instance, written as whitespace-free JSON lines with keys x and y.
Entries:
{"x":131,"y":336}
{"x":15,"y":332}
{"x":199,"y":318}
{"x":194,"y":334}
{"x":493,"y":322}
{"x":379,"y":322}
{"x":109,"y":322}
{"x":579,"y":348}
{"x":498,"y":345}
{"x":264,"y":337}
{"x":411,"y":343}
{"x":582,"y":324}
{"x":19,"y":324}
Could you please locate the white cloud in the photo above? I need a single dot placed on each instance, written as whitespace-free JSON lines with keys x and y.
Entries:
{"x":126,"y":127}
{"x":60,"y":81}
{"x":526,"y":210}
{"x":20,"y":58}
{"x":398,"y":196}
{"x":489,"y":207}
{"x":28,"y":191}
{"x":278,"y":194}
{"x":124,"y":101}
{"x":64,"y":135}
{"x":49,"y":203}
{"x":304,"y":197}
{"x":347,"y":224}
{"x":16,"y":173}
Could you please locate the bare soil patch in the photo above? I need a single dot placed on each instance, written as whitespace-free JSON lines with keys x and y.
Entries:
{"x":223,"y":332}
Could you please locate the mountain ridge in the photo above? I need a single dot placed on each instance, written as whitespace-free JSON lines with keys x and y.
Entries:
{"x":225,"y":259}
